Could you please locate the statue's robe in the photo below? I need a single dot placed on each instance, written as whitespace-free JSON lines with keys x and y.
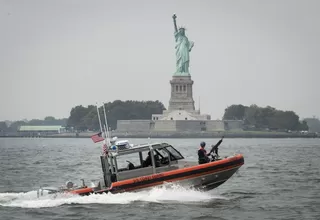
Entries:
{"x":183,"y":47}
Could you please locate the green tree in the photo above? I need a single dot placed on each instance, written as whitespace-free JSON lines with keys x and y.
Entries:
{"x":76,"y":117}
{"x":3,"y":126}
{"x":267,"y":117}
{"x":49,"y":118}
{"x":250,"y":115}
{"x":234,"y":112}
{"x":35,"y":122}
{"x":303,"y":126}
{"x":83,"y":118}
{"x":15,"y":125}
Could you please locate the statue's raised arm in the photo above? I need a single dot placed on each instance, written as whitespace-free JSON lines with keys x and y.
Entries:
{"x":175,"y":23}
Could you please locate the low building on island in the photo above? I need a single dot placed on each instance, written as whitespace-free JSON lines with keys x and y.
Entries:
{"x":40,"y":130}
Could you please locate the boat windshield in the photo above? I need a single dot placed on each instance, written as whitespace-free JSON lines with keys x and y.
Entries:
{"x":162,"y":152}
{"x":174,"y":153}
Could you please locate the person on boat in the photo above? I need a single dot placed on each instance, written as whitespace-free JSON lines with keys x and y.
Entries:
{"x":203,"y":157}
{"x":147,"y":162}
{"x":202,"y":153}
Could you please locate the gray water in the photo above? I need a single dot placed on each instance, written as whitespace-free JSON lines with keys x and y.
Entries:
{"x":279,"y":180}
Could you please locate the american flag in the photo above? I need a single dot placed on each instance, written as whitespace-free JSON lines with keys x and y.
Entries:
{"x":97,"y":137}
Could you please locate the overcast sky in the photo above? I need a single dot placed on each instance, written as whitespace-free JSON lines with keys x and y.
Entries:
{"x":57,"y":54}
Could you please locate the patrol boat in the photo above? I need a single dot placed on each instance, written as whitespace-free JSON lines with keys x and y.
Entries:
{"x":153,"y":164}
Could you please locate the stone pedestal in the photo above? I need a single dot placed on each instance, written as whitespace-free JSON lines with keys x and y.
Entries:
{"x":181,"y":94}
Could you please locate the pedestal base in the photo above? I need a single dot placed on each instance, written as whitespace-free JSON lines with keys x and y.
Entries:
{"x":181,"y":93}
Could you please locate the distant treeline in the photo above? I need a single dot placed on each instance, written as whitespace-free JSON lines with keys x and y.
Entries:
{"x":49,"y":120}
{"x":256,"y":117}
{"x":84,"y":118}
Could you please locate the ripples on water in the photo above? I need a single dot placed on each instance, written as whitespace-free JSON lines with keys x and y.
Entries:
{"x":280,"y":180}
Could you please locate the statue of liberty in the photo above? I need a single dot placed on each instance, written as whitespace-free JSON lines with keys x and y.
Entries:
{"x":183,"y":48}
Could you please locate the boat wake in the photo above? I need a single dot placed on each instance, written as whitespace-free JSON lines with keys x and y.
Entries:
{"x":163,"y":194}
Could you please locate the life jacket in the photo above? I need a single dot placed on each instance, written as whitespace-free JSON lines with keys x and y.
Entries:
{"x":203,"y":158}
{"x":202,"y":149}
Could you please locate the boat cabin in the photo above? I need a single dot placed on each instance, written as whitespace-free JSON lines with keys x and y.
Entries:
{"x":126,"y":161}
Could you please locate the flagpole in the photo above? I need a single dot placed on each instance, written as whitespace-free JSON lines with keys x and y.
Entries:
{"x":106,"y":123}
{"x":99,"y":118}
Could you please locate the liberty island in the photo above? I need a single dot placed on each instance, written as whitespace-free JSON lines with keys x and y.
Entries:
{"x":181,"y":116}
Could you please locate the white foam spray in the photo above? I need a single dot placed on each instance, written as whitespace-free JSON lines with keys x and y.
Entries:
{"x":163,"y":194}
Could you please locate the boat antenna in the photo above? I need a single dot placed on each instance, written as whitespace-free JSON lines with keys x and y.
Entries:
{"x":106,"y":127}
{"x":99,"y":118}
{"x":104,"y":146}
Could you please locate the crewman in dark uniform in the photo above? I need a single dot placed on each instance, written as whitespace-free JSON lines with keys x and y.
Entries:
{"x":203,"y":157}
{"x":148,"y":162}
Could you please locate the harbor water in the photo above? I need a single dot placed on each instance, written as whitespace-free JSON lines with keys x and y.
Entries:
{"x":279,"y":180}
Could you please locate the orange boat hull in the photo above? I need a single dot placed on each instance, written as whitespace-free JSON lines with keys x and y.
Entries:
{"x":205,"y":176}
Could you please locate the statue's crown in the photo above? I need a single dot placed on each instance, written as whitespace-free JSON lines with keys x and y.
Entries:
{"x":182,"y":28}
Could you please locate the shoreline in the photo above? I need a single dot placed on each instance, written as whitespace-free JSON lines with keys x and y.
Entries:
{"x":216,"y":134}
